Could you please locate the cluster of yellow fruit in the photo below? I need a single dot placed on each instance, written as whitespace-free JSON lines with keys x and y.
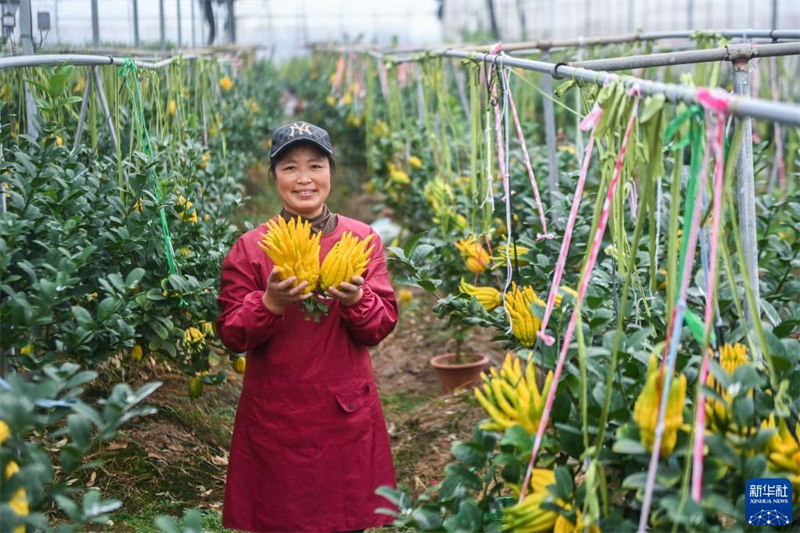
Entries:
{"x":349,"y":257}
{"x":517,"y":255}
{"x":784,"y":452}
{"x":398,"y":176}
{"x":19,"y":500}
{"x":295,"y":252}
{"x":524,"y":323}
{"x":528,"y":516}
{"x":185,"y":211}
{"x":476,"y":257}
{"x":489,"y":297}
{"x":645,"y":411}
{"x":718,"y":413}
{"x":226,"y":83}
{"x":512,"y":396}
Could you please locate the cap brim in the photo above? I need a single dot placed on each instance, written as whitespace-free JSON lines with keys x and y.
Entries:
{"x":289,"y":144}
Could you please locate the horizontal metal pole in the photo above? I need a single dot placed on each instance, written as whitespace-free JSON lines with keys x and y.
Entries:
{"x":570,"y":43}
{"x":79,"y":60}
{"x":649,"y":36}
{"x":727,"y":53}
{"x":741,"y":106}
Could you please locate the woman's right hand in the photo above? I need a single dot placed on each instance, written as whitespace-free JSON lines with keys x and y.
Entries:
{"x":280,"y":294}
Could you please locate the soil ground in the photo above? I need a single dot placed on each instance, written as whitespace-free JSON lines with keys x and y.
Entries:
{"x":177,"y":458}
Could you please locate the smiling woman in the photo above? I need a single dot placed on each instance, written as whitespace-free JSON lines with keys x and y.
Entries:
{"x":310,"y":444}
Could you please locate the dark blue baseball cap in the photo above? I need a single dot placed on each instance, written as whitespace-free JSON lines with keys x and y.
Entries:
{"x":289,"y":134}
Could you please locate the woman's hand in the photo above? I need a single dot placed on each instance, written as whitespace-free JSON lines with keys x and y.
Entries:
{"x":280,"y":294}
{"x":348,"y":293}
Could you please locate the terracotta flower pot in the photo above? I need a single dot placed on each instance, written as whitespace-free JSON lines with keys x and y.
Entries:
{"x":453,"y":376}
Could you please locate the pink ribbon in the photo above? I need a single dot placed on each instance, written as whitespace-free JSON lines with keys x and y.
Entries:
{"x":338,"y":77}
{"x":716,"y":143}
{"x":588,"y":123}
{"x":716,"y":100}
{"x":528,"y":165}
{"x":584,"y":283}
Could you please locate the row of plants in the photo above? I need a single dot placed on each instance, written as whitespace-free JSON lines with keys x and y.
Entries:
{"x":436,"y":166}
{"x":110,"y":253}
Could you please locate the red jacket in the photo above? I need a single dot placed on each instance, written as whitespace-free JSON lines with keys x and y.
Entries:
{"x":309,"y":443}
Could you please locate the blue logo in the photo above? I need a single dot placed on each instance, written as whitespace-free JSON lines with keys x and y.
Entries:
{"x":768,"y":501}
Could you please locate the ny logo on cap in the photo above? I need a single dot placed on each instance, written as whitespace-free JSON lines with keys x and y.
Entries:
{"x":300,"y":128}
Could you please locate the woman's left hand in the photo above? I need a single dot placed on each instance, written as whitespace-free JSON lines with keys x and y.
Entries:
{"x":348,"y":293}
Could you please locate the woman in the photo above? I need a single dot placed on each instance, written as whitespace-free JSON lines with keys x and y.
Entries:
{"x":309,"y":444}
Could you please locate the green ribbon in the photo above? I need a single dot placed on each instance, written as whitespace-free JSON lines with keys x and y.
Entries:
{"x":130,"y":73}
{"x":695,"y":137}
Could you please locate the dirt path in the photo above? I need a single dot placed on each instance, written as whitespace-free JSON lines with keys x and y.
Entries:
{"x":178,"y":458}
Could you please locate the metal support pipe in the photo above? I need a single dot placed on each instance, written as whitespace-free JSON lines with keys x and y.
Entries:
{"x":82,"y":116}
{"x":194,"y":39}
{"x":746,"y":196}
{"x":180,"y":35}
{"x":81,"y":60}
{"x":739,"y":105}
{"x":95,"y":25}
{"x":550,"y":134}
{"x":101,"y":95}
{"x":727,"y":53}
{"x":136,"y":23}
{"x":26,"y":33}
{"x":161,"y":24}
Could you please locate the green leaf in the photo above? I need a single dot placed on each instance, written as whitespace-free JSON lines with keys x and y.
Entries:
{"x":107,"y":307}
{"x":80,"y":430}
{"x":754,"y":467}
{"x":427,"y":518}
{"x":564,"y":483}
{"x":517,"y":436}
{"x":468,"y":518}
{"x":628,"y":447}
{"x":469,"y":453}
{"x":461,"y":475}
{"x":134,"y":277}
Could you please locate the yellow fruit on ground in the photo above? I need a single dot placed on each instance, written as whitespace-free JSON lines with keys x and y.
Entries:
{"x":415,"y":162}
{"x":136,"y":353}
{"x":5,"y":431}
{"x":195,"y":388}
{"x":239,"y":364}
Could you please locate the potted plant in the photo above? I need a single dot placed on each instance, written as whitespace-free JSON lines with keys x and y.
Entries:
{"x":459,"y":368}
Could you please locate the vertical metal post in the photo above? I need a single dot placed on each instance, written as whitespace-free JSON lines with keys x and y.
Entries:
{"x":774,"y":14}
{"x":95,"y":25}
{"x":55,"y":21}
{"x":180,"y":35}
{"x":194,"y":39}
{"x":26,"y":33}
{"x":550,"y":131}
{"x":136,"y":23}
{"x":161,"y":25}
{"x":746,"y":187}
{"x":232,"y":25}
{"x":690,"y":14}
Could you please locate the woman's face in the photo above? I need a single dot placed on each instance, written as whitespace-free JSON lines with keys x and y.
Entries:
{"x":303,"y":179}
